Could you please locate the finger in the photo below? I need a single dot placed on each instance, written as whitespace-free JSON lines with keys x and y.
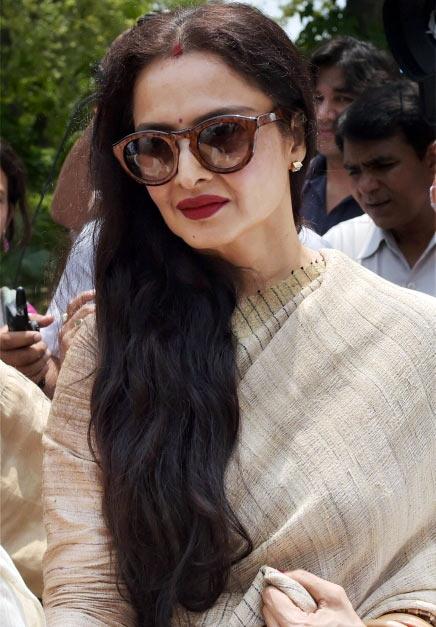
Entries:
{"x":281,"y":606}
{"x":65,"y":341}
{"x":12,"y":340}
{"x":35,"y":371}
{"x":43,"y":321}
{"x":269,"y":618}
{"x":27,"y":356}
{"x":323,"y":591}
{"x":80,"y":314}
{"x":80,"y":300}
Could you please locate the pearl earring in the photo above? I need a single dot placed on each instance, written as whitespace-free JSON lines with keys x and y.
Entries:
{"x":295,"y":166}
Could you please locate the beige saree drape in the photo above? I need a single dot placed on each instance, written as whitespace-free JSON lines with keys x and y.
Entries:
{"x":334,"y":471}
{"x":24,"y":410}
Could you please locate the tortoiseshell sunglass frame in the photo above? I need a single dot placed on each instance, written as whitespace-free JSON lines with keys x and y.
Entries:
{"x":251,"y":124}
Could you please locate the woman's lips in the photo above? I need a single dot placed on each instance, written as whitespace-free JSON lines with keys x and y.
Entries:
{"x":201,"y":207}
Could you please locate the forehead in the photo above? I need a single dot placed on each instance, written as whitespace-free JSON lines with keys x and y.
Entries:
{"x":190,"y":85}
{"x":369,"y":150}
{"x":330,"y":78}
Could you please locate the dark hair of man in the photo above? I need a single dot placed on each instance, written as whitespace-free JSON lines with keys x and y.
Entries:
{"x":382,"y":112}
{"x":361,"y":62}
{"x":14,"y":171}
{"x":164,"y":407}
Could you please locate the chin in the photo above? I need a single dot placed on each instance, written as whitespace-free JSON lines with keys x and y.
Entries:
{"x":383,"y":222}
{"x":327,"y":149}
{"x":204,"y":242}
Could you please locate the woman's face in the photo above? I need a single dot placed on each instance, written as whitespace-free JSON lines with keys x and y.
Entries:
{"x":4,"y":205}
{"x":174,"y":94}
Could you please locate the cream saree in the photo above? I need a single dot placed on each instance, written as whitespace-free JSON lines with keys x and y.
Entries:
{"x":334,"y":470}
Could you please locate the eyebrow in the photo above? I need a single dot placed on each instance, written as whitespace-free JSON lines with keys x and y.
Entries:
{"x":371,"y":163}
{"x":156,"y":126}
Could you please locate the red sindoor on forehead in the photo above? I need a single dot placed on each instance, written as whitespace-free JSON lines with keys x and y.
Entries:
{"x":177,"y":50}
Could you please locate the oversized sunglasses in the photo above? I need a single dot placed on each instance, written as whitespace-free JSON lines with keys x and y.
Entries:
{"x":224,"y":143}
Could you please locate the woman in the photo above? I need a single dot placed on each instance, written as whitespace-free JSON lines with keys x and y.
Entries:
{"x":24,"y":350}
{"x":12,"y":196}
{"x":248,"y":402}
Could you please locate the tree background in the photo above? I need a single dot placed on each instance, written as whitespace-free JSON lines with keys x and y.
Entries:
{"x":49,"y":49}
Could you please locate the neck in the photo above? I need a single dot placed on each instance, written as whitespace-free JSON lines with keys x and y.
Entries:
{"x":338,"y":182}
{"x":413,"y":238}
{"x":267,"y":254}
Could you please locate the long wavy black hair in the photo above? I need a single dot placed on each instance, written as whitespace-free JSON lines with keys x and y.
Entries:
{"x":165,"y":412}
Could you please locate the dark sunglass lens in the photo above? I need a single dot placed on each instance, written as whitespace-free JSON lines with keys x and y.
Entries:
{"x":224,"y":145}
{"x":149,"y":158}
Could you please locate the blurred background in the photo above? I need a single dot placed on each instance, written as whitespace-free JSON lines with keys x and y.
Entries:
{"x":49,"y":51}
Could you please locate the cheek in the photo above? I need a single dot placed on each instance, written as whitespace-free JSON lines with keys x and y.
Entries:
{"x":264,"y":179}
{"x":3,"y":217}
{"x":160,"y":195}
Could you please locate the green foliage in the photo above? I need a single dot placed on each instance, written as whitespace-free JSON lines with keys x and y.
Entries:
{"x":49,"y":49}
{"x":325,"y":18}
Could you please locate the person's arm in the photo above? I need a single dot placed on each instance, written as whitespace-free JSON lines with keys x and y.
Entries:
{"x":78,"y":309}
{"x":51,"y":376}
{"x":79,"y":575}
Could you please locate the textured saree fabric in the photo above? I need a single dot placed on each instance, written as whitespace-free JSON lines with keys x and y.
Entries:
{"x":334,"y":469}
{"x":24,"y":410}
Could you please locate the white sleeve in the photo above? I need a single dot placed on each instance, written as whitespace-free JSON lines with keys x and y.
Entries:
{"x":312,"y":240}
{"x":77,"y":277}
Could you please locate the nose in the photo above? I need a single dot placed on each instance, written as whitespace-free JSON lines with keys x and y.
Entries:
{"x":326,"y":111}
{"x":190,"y":171}
{"x":367,"y":183}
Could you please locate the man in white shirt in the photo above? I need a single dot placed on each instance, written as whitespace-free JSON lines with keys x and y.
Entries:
{"x":386,"y":146}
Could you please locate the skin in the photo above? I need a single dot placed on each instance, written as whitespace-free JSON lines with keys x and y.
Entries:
{"x":4,"y":205}
{"x":331,"y":99}
{"x":391,"y":184}
{"x":24,"y":350}
{"x":259,"y":210}
{"x":334,"y":607}
{"x":255,"y":229}
{"x":71,"y":206}
{"x":78,"y":309}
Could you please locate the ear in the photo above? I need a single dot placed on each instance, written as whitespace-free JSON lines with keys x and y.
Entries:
{"x":430,"y":157}
{"x":297,"y":144}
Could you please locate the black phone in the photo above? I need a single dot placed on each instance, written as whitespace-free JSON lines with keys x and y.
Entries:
{"x":14,"y":306}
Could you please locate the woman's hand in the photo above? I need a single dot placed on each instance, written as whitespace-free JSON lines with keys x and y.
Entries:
{"x":334,"y":607}
{"x":77,"y":310}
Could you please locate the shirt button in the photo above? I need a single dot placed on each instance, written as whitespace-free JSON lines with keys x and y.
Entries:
{"x":411,"y":286}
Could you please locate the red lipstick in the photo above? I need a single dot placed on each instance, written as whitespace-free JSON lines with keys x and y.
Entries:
{"x":201,"y":207}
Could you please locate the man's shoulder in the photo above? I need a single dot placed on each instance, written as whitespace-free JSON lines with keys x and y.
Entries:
{"x":350,"y":236}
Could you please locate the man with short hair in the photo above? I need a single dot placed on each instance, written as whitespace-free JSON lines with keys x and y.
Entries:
{"x":342,"y":69}
{"x":387,"y":149}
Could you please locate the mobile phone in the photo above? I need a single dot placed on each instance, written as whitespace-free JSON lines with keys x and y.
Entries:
{"x":14,"y":306}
